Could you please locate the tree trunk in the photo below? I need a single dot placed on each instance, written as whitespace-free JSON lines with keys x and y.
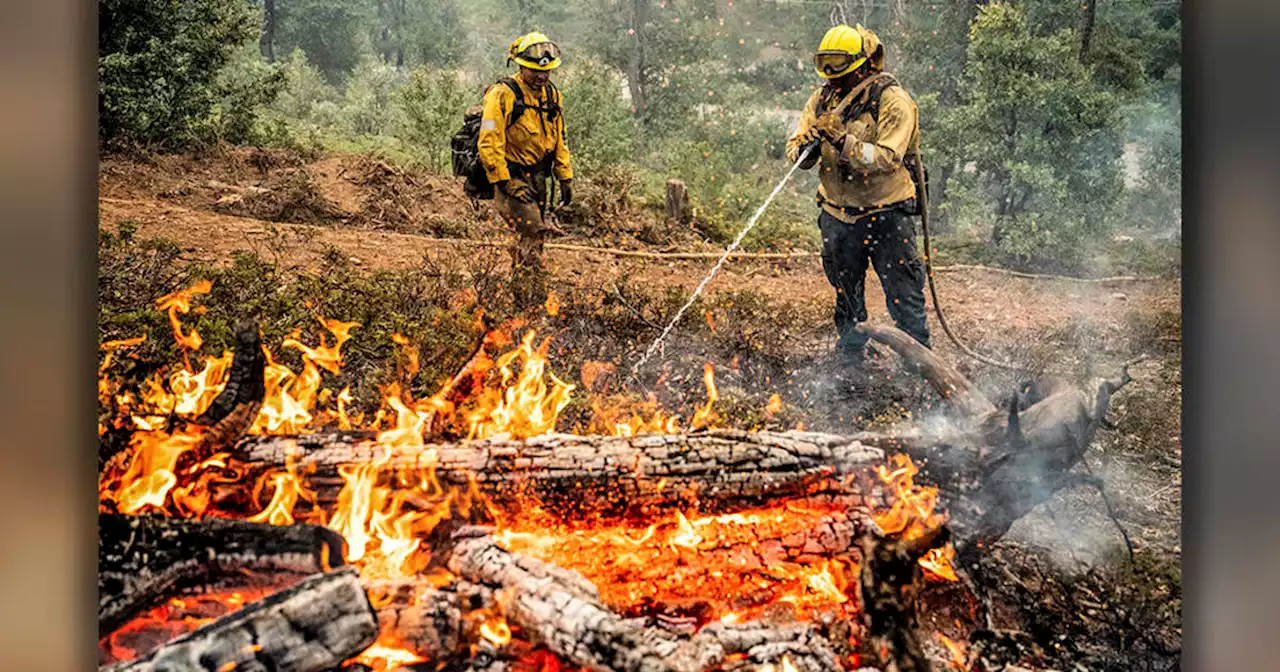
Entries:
{"x":636,"y":67}
{"x":266,"y":43}
{"x":1086,"y":31}
{"x":994,"y":466}
{"x":314,"y":625}
{"x":609,"y":475}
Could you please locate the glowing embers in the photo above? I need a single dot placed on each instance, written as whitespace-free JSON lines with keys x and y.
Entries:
{"x":729,"y":567}
{"x":388,"y":653}
{"x":172,"y":619}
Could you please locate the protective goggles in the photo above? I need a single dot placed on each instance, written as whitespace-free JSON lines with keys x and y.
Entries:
{"x":833,"y":62}
{"x":541,"y":53}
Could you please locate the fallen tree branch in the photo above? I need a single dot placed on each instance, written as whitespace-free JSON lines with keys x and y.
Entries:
{"x":314,"y":625}
{"x":1040,"y":276}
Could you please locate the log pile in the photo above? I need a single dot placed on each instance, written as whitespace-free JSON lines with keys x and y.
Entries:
{"x":993,"y":465}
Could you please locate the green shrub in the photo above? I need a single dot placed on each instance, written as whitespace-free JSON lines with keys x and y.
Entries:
{"x":159,"y":64}
{"x":433,"y":103}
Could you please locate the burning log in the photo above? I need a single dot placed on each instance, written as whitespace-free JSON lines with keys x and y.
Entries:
{"x":144,"y":560}
{"x":600,"y":473}
{"x":246,"y":385}
{"x":561,"y":610}
{"x":888,"y":588}
{"x":314,"y":625}
{"x":993,"y":466}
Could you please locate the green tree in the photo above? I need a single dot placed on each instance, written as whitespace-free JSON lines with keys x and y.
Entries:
{"x":158,"y":66}
{"x":658,"y":46}
{"x":331,"y":32}
{"x":599,"y":128}
{"x":1043,"y":140}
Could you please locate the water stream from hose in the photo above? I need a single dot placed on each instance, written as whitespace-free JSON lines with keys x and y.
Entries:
{"x":657,"y":343}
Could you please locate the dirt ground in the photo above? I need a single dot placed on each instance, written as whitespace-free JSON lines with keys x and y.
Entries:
{"x":377,"y":216}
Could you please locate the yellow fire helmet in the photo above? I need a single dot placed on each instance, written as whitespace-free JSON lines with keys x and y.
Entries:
{"x":536,"y":51}
{"x":840,"y":52}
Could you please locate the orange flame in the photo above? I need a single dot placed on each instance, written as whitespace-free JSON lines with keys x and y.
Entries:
{"x":959,"y":656}
{"x":912,"y":512}
{"x":938,"y":563}
{"x":180,"y":302}
{"x":774,"y":405}
{"x":525,"y":406}
{"x":706,"y":416}
{"x":496,"y":630}
{"x":388,"y":653}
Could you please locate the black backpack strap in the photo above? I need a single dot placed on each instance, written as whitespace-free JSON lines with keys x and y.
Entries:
{"x":881,"y":82}
{"x":518,"y":107}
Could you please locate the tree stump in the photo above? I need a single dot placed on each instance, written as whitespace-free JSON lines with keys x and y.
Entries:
{"x":677,"y":201}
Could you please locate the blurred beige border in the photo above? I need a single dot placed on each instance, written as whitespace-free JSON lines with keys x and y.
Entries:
{"x":47,"y":266}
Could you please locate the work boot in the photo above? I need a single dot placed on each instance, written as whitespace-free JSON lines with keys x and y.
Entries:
{"x":865,"y":362}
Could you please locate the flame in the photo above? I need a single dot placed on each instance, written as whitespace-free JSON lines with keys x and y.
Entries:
{"x":552,"y":304}
{"x":959,"y":656}
{"x":150,"y":476}
{"x":938,"y":563}
{"x":830,"y":585}
{"x":388,"y":653}
{"x":287,"y":488}
{"x":687,"y":537}
{"x":912,"y":513}
{"x":706,"y":416}
{"x":774,"y":405}
{"x":525,"y":406}
{"x":291,"y":398}
{"x":496,"y":630}
{"x":180,"y":302}
{"x":384,"y":511}
{"x":193,"y":392}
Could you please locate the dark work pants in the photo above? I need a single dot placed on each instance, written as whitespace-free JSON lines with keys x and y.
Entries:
{"x":528,"y":278}
{"x":887,"y":240}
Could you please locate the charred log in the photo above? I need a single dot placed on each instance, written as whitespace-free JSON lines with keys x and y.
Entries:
{"x":889,"y":582}
{"x":605,"y":474}
{"x":993,"y":466}
{"x":314,"y":625}
{"x":561,"y":610}
{"x":246,"y":381}
{"x":145,"y":560}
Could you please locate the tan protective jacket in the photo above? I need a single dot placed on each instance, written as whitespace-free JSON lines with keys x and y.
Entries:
{"x":527,"y":141}
{"x":866,"y":173}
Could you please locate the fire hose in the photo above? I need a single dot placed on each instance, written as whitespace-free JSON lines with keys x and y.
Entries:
{"x":923,"y":207}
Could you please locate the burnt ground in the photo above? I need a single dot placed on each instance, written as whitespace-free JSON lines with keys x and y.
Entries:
{"x":764,"y":324}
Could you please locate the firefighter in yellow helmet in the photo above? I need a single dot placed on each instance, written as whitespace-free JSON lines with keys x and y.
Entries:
{"x":521,"y":146}
{"x":862,"y":131}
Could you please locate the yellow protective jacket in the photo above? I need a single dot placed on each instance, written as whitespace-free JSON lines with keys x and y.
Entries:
{"x":529,"y":140}
{"x":865,"y":173}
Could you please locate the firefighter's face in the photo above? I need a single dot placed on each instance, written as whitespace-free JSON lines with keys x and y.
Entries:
{"x":535,"y":77}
